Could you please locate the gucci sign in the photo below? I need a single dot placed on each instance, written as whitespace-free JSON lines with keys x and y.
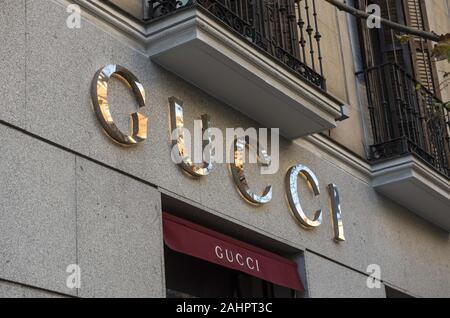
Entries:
{"x":138,"y":133}
{"x":231,"y":256}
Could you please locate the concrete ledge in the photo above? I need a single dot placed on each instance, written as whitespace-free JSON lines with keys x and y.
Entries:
{"x":411,"y":183}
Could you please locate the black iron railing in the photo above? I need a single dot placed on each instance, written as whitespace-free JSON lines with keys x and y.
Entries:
{"x":406,"y":118}
{"x":285,"y":29}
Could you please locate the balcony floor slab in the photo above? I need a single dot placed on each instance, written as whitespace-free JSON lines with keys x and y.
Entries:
{"x":200,"y":49}
{"x":416,"y":186}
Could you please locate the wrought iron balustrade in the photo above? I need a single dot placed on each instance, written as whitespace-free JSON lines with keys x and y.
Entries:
{"x":406,"y":117}
{"x":285,"y":29}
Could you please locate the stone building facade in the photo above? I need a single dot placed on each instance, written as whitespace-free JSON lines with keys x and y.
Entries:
{"x":70,"y":195}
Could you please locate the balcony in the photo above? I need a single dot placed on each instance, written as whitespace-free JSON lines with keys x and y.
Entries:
{"x":262,"y":58}
{"x":411,"y":144}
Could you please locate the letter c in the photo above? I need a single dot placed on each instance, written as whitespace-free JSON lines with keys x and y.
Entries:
{"x":239,"y":256}
{"x":248,"y":263}
{"x":294,"y":198}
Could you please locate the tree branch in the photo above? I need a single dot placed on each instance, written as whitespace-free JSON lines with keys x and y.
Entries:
{"x":387,"y":23}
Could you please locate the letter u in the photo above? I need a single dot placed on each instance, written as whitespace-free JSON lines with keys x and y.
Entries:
{"x":228,"y":257}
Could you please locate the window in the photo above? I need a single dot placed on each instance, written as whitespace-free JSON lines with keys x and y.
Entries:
{"x":383,"y":46}
{"x":401,"y":86}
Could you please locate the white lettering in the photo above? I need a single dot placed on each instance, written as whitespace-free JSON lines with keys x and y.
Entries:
{"x":248,"y":263}
{"x":239,"y":256}
{"x":187,"y":308}
{"x":74,"y":19}
{"x":74,"y":279}
{"x":374,"y":279}
{"x":374,"y":20}
{"x":218,"y":248}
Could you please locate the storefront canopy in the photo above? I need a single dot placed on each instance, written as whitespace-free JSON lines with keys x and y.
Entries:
{"x":197,"y":241}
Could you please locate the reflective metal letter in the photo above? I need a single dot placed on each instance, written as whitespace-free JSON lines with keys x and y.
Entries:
{"x":177,"y":121}
{"x":294,"y":199}
{"x":237,"y":169}
{"x":336,"y":211}
{"x":99,"y":94}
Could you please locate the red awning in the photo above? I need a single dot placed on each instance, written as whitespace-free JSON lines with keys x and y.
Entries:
{"x":197,"y":241}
